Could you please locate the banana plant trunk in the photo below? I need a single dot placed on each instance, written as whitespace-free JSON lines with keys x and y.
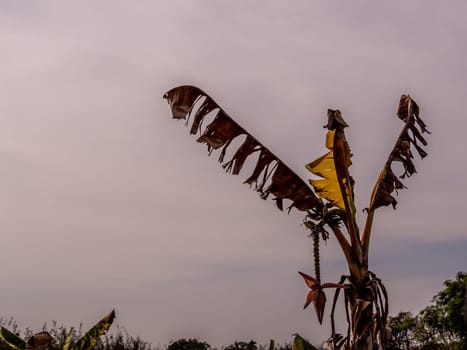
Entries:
{"x":367,"y":306}
{"x":366,"y":301}
{"x":361,"y":312}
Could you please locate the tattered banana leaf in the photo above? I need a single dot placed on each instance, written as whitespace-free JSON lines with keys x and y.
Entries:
{"x":301,"y":344}
{"x":89,"y":340}
{"x":410,"y":139}
{"x":12,"y":339}
{"x":270,"y":174}
{"x":336,"y":185}
{"x":324,"y":167}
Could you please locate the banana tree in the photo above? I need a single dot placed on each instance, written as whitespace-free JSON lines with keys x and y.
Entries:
{"x":328,"y":204}
{"x":44,"y":341}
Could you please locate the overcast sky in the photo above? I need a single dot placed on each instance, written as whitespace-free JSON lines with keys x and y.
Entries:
{"x":108,"y":203}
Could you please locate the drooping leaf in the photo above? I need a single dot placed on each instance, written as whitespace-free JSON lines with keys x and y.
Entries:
{"x":12,"y":339}
{"x":315,"y":295}
{"x":410,"y":139}
{"x":319,"y":302}
{"x":89,"y":340}
{"x":301,"y":344}
{"x":310,"y":297}
{"x":334,"y":336}
{"x":270,"y":174}
{"x":40,"y":341}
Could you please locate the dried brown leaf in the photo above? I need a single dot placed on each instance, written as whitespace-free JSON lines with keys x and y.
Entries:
{"x":309,"y":298}
{"x":410,"y":136}
{"x":315,"y":295}
{"x":270,"y":175}
{"x":40,"y":341}
{"x":309,"y":281}
{"x":182,"y":101}
{"x":220,"y":131}
{"x":320,"y":303}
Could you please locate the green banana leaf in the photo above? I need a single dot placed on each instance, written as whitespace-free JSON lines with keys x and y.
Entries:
{"x":89,"y":340}
{"x":301,"y":344}
{"x":12,"y":339}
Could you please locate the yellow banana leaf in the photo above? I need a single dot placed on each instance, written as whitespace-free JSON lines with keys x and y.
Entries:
{"x":89,"y":340}
{"x":329,"y":187}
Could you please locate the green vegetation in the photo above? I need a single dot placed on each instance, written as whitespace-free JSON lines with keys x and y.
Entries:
{"x":121,"y":340}
{"x":301,"y":344}
{"x":441,"y":325}
{"x":188,"y":344}
{"x":64,"y":340}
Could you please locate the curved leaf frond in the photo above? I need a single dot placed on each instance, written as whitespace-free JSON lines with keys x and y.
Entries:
{"x":410,"y":139}
{"x":270,"y":174}
{"x":12,"y":339}
{"x":89,"y":340}
{"x":300,"y":343}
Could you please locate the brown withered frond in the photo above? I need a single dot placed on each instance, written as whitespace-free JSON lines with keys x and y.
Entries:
{"x":270,"y":175}
{"x":409,"y":139}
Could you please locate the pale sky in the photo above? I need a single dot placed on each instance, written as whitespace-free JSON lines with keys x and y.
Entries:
{"x":108,"y":203}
